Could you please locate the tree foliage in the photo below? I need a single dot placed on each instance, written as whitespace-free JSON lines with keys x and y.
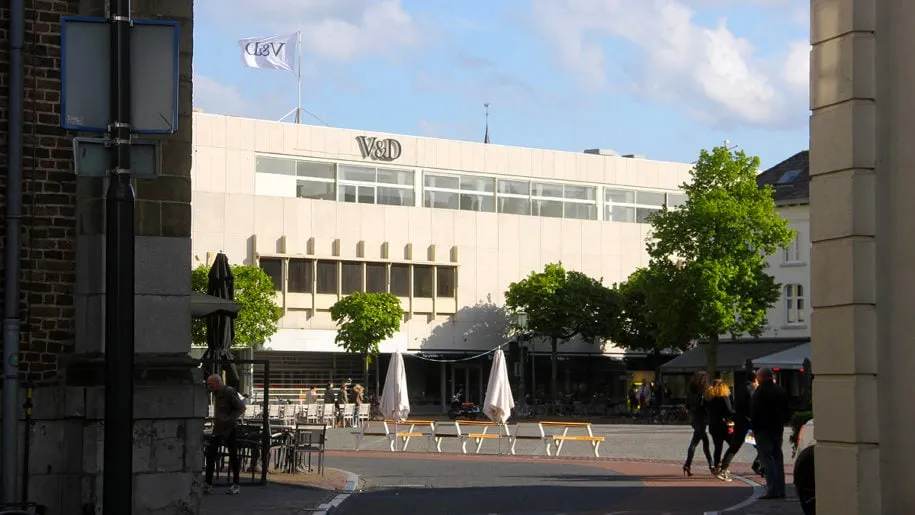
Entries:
{"x":720,"y":237}
{"x":649,"y":318}
{"x":254,"y":292}
{"x":364,"y":320}
{"x":563,"y":304}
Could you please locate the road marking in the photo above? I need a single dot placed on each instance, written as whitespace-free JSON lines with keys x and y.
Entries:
{"x":352,"y":482}
{"x":758,"y":491}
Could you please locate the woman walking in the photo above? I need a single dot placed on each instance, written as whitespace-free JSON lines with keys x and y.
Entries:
{"x":720,"y":417}
{"x":698,"y":418}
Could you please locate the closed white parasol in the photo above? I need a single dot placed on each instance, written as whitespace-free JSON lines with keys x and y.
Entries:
{"x":394,"y":401}
{"x":499,"y":401}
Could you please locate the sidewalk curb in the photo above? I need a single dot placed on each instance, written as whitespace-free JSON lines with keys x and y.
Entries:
{"x":349,"y":488}
{"x":758,"y":491}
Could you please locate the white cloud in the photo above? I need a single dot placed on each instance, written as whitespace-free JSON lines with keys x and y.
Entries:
{"x":337,"y":30}
{"x":707,"y":71}
{"x":212,"y":96}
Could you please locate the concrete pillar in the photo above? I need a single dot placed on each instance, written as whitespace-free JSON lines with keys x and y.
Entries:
{"x":895,"y":185}
{"x":843,"y":257}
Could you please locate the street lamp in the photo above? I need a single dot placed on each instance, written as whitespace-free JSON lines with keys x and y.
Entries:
{"x":521,"y":323}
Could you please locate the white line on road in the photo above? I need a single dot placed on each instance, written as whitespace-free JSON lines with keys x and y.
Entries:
{"x":758,"y":490}
{"x":352,"y":482}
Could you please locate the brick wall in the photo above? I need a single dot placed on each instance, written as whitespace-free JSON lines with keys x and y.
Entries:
{"x":49,"y":192}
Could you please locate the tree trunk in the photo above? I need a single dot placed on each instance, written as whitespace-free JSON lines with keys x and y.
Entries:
{"x":711,"y":356}
{"x":365,"y":372}
{"x":554,"y":372}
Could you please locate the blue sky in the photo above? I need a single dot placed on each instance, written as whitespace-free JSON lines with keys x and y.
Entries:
{"x":662,"y":78}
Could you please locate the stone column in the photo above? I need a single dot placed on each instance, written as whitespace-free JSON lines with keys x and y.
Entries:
{"x":895,"y":185}
{"x":843,"y":281}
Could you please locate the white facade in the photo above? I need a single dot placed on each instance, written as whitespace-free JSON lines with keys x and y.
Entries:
{"x":331,"y":210}
{"x":789,"y":318}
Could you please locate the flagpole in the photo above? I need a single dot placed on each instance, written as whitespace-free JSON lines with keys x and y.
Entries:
{"x":298,"y":105}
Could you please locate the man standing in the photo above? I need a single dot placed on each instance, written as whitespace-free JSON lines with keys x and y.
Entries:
{"x":770,"y":411}
{"x":227,"y":407}
{"x":743,"y":396}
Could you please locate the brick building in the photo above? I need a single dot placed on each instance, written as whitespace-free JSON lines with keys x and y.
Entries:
{"x":62,"y":284}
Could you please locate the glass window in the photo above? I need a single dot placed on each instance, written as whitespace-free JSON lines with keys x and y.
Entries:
{"x":357,"y":173}
{"x":316,"y":170}
{"x":441,"y":181}
{"x":620,"y":196}
{"x":346,"y":193}
{"x":351,"y":277}
{"x":675,"y":199}
{"x":650,"y":198}
{"x":621,"y":214}
{"x":446,"y":281}
{"x":473,"y":202}
{"x":274,"y":165}
{"x":581,"y":192}
{"x":376,"y":277}
{"x":327,"y":277}
{"x":300,"y":275}
{"x":580,"y":211}
{"x":402,"y":177}
{"x":400,"y":280}
{"x":314,"y":190}
{"x":546,"y":189}
{"x":440,"y":199}
{"x":473,"y":183}
{"x":515,"y":187}
{"x":794,"y":298}
{"x":366,"y":195}
{"x":549,"y":208}
{"x":643,"y":213}
{"x":423,"y":281}
{"x":395,"y":196}
{"x":274,"y":268}
{"x":515,"y":206}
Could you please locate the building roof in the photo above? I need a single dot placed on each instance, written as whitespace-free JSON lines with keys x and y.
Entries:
{"x":731,"y":356}
{"x":790,"y":179}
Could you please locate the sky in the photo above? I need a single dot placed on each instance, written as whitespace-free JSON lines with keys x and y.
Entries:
{"x":661,"y":78}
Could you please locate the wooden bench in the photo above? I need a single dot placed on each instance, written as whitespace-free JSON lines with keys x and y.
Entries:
{"x":536,"y":433}
{"x":403,"y":431}
{"x":480,"y":435}
{"x":559,"y":438}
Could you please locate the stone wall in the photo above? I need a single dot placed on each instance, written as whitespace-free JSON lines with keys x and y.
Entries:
{"x":63,"y":282}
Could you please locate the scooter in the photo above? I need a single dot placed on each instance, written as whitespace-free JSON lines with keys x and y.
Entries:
{"x":460,"y":409}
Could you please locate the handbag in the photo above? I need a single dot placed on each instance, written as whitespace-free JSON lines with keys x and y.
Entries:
{"x":730,"y":427}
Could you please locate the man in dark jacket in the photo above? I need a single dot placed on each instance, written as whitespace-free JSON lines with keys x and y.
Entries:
{"x":769,"y":413}
{"x":743,"y":396}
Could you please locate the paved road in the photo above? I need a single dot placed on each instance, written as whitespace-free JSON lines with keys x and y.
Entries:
{"x":484,"y":485}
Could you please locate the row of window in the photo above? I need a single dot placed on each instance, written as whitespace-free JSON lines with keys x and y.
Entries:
{"x":395,"y":187}
{"x":341,"y":277}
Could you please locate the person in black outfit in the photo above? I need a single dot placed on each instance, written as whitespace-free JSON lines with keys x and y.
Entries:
{"x":742,"y":397}
{"x":720,"y":413}
{"x":769,"y":412}
{"x":698,"y":418}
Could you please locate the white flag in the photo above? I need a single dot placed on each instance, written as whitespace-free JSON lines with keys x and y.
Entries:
{"x":271,"y":52}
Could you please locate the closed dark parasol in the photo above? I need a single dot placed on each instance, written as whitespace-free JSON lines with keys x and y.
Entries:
{"x":221,"y":325}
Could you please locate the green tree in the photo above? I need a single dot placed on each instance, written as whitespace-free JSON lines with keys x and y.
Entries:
{"x":254,"y":292}
{"x":720,"y":239}
{"x":649,"y":318}
{"x":363,"y":321}
{"x":563,"y":304}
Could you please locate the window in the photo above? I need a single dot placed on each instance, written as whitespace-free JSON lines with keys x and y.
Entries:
{"x":446,"y":281}
{"x":300,"y":275}
{"x":400,"y":280}
{"x":366,"y":185}
{"x":326,"y":277}
{"x":464,"y":192}
{"x":514,"y":205}
{"x":794,"y":302}
{"x":376,"y":277}
{"x":423,"y":281}
{"x":274,"y":268}
{"x":636,"y":206}
{"x":791,"y":253}
{"x":274,"y":165}
{"x":675,"y":200}
{"x":351,"y":277}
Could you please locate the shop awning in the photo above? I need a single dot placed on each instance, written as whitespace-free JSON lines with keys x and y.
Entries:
{"x":731,"y":356}
{"x":790,"y":359}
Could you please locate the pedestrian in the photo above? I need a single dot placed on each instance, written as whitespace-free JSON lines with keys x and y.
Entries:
{"x":227,"y":408}
{"x":742,"y":397}
{"x":698,"y":419}
{"x":311,"y":397}
{"x":769,"y":413}
{"x":644,"y":397}
{"x":633,"y":400}
{"x":330,"y":394}
{"x":720,"y":416}
{"x":342,"y":400}
{"x":359,"y":394}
